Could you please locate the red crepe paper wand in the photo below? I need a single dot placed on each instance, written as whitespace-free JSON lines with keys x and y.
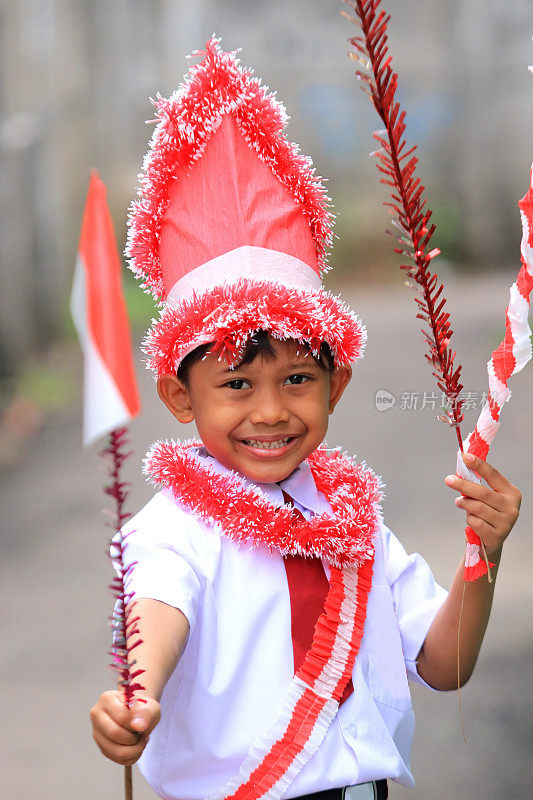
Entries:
{"x":411,"y":216}
{"x":110,"y":400}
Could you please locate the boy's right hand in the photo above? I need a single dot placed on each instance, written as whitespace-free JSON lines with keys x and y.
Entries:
{"x":120,"y":732}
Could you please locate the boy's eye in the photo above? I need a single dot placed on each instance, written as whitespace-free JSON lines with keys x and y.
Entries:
{"x":238,"y":383}
{"x":295,"y":380}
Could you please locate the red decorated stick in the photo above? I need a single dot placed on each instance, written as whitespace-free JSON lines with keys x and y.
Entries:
{"x":110,"y":397}
{"x":124,"y":620}
{"x":411,"y":216}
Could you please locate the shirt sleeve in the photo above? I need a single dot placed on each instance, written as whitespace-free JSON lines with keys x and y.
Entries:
{"x":416,"y":596}
{"x":165,"y":560}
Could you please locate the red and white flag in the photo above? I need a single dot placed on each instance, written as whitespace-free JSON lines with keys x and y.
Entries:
{"x":99,"y":312}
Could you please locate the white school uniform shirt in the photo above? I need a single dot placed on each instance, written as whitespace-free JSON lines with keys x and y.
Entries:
{"x":238,"y":659}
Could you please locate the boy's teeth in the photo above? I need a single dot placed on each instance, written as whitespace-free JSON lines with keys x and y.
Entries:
{"x":267,"y":445}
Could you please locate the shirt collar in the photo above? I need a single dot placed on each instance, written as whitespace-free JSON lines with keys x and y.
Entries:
{"x":300,"y":485}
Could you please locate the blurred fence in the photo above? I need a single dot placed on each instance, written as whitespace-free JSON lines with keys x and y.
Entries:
{"x":74,"y":82}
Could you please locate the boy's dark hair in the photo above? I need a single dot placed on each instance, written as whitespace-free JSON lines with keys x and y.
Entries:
{"x":257,"y":345}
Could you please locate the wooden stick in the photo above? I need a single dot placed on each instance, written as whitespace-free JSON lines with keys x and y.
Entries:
{"x":128,"y":784}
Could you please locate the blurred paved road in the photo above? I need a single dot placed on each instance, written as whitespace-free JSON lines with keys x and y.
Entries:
{"x":54,"y":572}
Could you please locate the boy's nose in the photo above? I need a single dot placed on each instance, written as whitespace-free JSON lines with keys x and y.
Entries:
{"x":269,"y":409}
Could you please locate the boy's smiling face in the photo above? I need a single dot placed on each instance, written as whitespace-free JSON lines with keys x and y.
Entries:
{"x":263,"y":418}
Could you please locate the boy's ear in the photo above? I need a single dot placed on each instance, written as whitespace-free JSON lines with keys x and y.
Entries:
{"x":176,"y":397}
{"x":340,"y":378}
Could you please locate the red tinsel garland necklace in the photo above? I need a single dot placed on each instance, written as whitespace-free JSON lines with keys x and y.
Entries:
{"x":248,"y":517}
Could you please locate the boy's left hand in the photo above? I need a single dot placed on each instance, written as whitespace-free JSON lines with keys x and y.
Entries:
{"x":491,"y":511}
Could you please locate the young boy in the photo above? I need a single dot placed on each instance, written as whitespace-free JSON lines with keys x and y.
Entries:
{"x":280,"y":618}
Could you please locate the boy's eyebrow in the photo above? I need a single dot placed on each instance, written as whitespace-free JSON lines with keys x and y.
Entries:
{"x":301,"y":364}
{"x":227,"y":371}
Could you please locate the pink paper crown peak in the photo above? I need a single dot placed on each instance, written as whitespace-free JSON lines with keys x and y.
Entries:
{"x":229,"y":215}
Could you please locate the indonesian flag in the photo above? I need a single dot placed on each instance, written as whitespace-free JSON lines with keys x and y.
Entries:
{"x":99,"y":313}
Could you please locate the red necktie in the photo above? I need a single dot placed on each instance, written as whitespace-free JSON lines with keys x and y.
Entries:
{"x":308,"y":587}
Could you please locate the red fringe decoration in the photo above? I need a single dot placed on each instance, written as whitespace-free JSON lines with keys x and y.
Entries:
{"x":186,"y":121}
{"x":397,"y":165}
{"x":123,"y":622}
{"x":353,"y":491}
{"x":229,"y":315}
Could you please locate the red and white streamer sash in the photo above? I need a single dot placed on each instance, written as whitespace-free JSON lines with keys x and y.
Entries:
{"x":509,"y":357}
{"x":312,"y":700}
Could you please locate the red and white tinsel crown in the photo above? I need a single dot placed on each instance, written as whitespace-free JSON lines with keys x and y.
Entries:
{"x":231,"y":225}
